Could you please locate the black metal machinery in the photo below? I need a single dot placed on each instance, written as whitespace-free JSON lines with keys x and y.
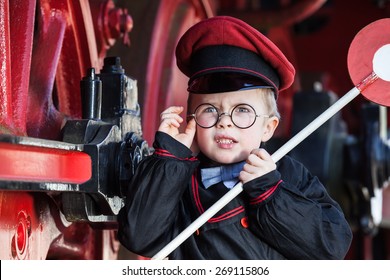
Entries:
{"x":110,"y":133}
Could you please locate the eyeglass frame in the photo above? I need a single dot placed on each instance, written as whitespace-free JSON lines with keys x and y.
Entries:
{"x":226,"y":114}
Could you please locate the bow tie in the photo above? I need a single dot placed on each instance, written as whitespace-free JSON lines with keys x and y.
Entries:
{"x":228,"y":174}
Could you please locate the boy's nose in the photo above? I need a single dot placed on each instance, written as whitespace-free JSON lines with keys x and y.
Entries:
{"x":224,"y":120}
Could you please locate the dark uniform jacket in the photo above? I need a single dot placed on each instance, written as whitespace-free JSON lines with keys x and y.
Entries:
{"x":285,"y":214}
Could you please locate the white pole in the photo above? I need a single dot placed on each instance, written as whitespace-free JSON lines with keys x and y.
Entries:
{"x":383,"y":123}
{"x":320,"y":120}
{"x":198,"y":222}
{"x":291,"y":144}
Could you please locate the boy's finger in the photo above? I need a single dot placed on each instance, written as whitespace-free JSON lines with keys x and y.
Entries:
{"x":191,"y":128}
{"x":261,"y":153}
{"x":172,"y":110}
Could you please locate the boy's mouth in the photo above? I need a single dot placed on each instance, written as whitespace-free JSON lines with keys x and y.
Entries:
{"x":225,"y":141}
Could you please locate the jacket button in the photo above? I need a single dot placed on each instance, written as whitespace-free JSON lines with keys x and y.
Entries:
{"x":244,"y":222}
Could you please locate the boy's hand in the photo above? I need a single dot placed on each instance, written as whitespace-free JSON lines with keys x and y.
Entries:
{"x":258,"y":163}
{"x":170,"y":123}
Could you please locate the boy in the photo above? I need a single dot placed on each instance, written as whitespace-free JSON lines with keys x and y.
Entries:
{"x":284,"y":212}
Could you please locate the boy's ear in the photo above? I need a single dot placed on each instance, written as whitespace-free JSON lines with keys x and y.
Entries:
{"x":269,"y":128}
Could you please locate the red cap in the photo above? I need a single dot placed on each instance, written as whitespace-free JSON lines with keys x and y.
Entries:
{"x":226,"y":44}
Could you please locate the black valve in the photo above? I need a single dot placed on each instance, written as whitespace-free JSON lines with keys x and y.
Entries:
{"x":111,"y":134}
{"x":91,"y":95}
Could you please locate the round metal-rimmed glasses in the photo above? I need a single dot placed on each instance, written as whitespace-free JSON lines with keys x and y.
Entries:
{"x":242,"y":115}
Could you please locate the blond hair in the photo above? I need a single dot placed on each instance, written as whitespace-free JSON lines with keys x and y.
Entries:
{"x":268,"y":96}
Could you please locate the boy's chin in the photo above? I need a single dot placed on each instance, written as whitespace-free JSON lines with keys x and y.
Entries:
{"x":229,"y":160}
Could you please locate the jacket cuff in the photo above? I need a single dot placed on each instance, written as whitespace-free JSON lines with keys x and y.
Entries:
{"x":166,"y":145}
{"x":262,"y":189}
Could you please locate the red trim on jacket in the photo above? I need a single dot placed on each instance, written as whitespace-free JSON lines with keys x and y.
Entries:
{"x":195,"y":192}
{"x":265,"y":195}
{"x":198,"y":203}
{"x":227,"y":215}
{"x":165,"y":153}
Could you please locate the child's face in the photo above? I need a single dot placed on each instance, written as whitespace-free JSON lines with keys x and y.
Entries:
{"x":224,"y":142}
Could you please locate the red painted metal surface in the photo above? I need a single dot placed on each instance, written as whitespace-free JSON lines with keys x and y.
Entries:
{"x":21,"y":51}
{"x":44,"y":120}
{"x":26,"y":227}
{"x":110,"y":23}
{"x":46,"y":47}
{"x":37,"y":164}
{"x":5,"y":69}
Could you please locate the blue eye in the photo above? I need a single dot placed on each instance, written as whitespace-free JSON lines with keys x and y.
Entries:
{"x":207,"y":108}
{"x":210,"y":110}
{"x":243,"y":109}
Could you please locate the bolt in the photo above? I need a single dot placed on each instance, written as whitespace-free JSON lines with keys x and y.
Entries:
{"x":120,"y":22}
{"x":19,"y":241}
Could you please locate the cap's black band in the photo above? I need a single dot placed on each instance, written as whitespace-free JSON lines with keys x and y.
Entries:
{"x":226,"y":58}
{"x":225,"y":82}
